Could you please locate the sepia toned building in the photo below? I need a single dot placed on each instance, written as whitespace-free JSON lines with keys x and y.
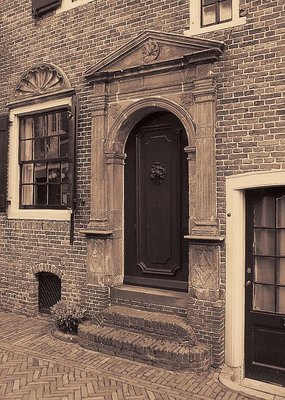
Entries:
{"x":142,"y":167}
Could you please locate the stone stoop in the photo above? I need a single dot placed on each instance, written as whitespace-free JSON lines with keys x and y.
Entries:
{"x":158,"y":339}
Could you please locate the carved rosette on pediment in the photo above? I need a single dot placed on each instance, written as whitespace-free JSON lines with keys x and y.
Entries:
{"x":41,"y":79}
{"x":150,"y":51}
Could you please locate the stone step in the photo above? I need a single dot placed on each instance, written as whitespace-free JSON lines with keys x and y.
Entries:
{"x":143,"y":348}
{"x":162,"y":326}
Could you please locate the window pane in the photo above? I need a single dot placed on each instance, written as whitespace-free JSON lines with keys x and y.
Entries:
{"x":27,"y":195}
{"x":64,"y":145}
{"x":208,"y":2}
{"x":65,"y":194}
{"x":264,"y":242}
{"x":209,"y":15}
{"x":40,"y":195}
{"x":26,"y":128}
{"x":52,"y":124}
{"x":39,"y":149}
{"x":54,"y":172}
{"x":26,"y":150}
{"x":263,"y":298}
{"x":27,"y":173}
{"x":281,"y":271}
{"x":264,"y":270}
{"x":226,"y":10}
{"x":65,"y":173}
{"x":54,"y":198}
{"x":264,"y":212}
{"x":280,"y":245}
{"x":281,"y":300}
{"x":40,"y":173}
{"x":52,"y":147}
{"x":40,"y":126}
{"x":280,"y":211}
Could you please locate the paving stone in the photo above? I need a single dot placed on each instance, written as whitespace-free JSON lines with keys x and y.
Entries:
{"x":42,"y":367}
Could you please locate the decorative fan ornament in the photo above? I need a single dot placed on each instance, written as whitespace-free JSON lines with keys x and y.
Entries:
{"x":41,"y":79}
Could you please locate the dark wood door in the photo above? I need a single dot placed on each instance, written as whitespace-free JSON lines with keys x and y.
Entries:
{"x":265,"y":286}
{"x":156,"y":203}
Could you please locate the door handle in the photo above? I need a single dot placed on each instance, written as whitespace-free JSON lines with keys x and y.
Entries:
{"x":248,"y":283}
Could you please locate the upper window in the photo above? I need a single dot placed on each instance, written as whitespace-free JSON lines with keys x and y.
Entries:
{"x":44,"y":160}
{"x":215,"y":12}
{"x":40,"y":7}
{"x":68,"y":4}
{"x":211,"y":15}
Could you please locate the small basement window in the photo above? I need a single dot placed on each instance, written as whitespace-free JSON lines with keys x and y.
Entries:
{"x":49,"y":291}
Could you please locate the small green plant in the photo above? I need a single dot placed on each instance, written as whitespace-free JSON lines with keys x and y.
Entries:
{"x":67,"y":316}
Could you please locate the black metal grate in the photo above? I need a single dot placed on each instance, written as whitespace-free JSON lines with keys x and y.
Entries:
{"x":49,"y":291}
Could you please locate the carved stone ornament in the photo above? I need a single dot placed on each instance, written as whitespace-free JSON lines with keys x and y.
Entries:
{"x":186,"y":99}
{"x":157,"y":173}
{"x":41,"y":79}
{"x":150,"y":51}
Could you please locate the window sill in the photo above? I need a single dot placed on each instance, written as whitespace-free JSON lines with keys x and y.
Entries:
{"x":67,"y":5}
{"x":48,"y":215}
{"x":197,"y":30}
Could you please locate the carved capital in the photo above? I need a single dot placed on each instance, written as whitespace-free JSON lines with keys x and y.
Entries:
{"x":191,"y":153}
{"x":115,"y":158}
{"x":205,"y":89}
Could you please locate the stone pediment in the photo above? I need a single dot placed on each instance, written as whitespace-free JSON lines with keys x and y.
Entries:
{"x":153,"y":50}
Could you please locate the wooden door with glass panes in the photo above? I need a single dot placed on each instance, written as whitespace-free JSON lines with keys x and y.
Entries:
{"x":265,"y":285}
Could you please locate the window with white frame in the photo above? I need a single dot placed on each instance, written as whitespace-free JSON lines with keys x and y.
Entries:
{"x":41,"y":161}
{"x":211,"y":15}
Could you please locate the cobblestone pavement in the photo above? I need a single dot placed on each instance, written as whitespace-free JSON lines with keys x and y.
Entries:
{"x":34,"y":365}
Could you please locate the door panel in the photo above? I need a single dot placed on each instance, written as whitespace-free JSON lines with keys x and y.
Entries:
{"x":265,"y":285}
{"x":156,"y":215}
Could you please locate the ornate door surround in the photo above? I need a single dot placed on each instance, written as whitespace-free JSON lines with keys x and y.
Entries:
{"x":154,"y":72}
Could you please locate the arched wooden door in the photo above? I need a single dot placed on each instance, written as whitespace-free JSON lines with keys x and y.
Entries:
{"x":156,"y":204}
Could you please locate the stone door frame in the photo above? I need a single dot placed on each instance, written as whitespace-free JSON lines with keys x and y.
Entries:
{"x":126,"y":87}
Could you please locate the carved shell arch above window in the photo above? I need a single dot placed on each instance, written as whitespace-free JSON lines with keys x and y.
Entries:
{"x":41,"y":79}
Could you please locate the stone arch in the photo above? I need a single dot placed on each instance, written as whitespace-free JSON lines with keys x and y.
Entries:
{"x":41,"y":79}
{"x":135,"y":112}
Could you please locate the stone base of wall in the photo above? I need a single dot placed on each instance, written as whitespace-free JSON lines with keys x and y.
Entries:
{"x":207,"y":320}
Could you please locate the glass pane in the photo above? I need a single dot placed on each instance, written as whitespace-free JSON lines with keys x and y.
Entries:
{"x":263,"y":298}
{"x":208,"y":2}
{"x":39,"y":149}
{"x":64,"y":122}
{"x":54,"y":172}
{"x":40,"y":126}
{"x":51,"y":124}
{"x":65,"y":173}
{"x":264,"y":270}
{"x":40,"y":173}
{"x":264,"y":242}
{"x":280,"y":211}
{"x":264,"y":212}
{"x":226,"y":10}
{"x":27,"y":195}
{"x":208,"y":15}
{"x":64,"y":144}
{"x":52,"y":147}
{"x":26,"y":150}
{"x":27,"y":173}
{"x":26,"y":128}
{"x":281,"y":300}
{"x":40,"y":195}
{"x":54,"y":195}
{"x":281,"y":271}
{"x":64,"y":194}
{"x":280,"y":245}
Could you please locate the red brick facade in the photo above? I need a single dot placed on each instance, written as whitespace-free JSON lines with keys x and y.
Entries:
{"x":249,"y":133}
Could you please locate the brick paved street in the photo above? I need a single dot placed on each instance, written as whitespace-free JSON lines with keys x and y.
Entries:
{"x":35,"y":365}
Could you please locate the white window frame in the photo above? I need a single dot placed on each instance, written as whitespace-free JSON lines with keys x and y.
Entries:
{"x":69,"y":4}
{"x":14,"y":210}
{"x":195,"y":19}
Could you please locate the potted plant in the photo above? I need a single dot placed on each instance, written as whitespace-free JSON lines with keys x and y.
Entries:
{"x":67,"y":316}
